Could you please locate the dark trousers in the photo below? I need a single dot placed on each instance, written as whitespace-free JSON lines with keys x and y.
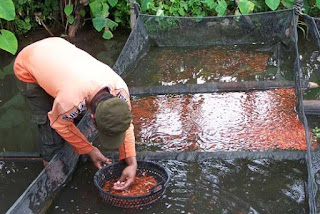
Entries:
{"x":41,"y":103}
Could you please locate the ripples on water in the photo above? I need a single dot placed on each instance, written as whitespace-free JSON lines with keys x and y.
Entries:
{"x":255,"y":120}
{"x":213,"y":186}
{"x":197,"y":65}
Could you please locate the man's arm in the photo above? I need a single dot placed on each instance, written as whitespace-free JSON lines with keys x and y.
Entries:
{"x":128,"y":174}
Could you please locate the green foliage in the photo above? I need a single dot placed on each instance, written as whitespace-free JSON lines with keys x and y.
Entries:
{"x":316,"y":132}
{"x":312,"y":7}
{"x":68,"y":9}
{"x":121,"y":13}
{"x":8,"y":40}
{"x":273,"y":4}
{"x":25,"y":19}
{"x":7,"y":10}
{"x":288,"y":3}
{"x":221,"y":7}
{"x":246,"y":6}
{"x":100,"y":11}
{"x":318,"y":3}
{"x":200,"y":8}
{"x":113,"y":2}
{"x":18,"y":16}
{"x":68,"y":12}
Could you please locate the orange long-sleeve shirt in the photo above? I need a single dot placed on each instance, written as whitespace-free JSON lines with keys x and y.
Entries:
{"x":72,"y":77}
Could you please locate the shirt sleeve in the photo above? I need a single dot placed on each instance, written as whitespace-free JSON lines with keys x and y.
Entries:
{"x":62,"y":122}
{"x":127,"y":149}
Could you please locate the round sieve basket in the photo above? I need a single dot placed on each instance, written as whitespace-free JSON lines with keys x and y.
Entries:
{"x":114,"y":171}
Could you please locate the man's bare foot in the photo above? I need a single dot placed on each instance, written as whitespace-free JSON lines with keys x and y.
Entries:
{"x":45,"y":163}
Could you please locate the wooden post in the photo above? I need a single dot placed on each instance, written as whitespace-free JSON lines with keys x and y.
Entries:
{"x":133,"y":15}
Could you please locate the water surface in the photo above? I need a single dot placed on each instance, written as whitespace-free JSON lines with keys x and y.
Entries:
{"x":232,"y":121}
{"x":212,"y":186}
{"x":15,"y":177}
{"x":201,"y":64}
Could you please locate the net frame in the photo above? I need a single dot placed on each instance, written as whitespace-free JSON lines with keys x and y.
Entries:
{"x":178,"y":32}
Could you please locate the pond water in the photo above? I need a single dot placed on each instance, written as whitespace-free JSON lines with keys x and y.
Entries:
{"x":197,"y":65}
{"x":310,"y":61}
{"x":233,"y":121}
{"x":211,"y":186}
{"x":15,"y":177}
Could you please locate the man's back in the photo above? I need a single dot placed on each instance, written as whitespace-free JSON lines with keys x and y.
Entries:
{"x":57,"y":65}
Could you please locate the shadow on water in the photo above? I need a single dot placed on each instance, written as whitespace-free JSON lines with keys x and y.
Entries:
{"x":212,"y":186}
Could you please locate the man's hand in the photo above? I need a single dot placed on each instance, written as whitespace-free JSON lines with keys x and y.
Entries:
{"x":128,"y":175}
{"x":98,"y":158}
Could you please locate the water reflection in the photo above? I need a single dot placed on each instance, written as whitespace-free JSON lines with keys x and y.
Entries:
{"x":212,"y":186}
{"x":256,"y":120}
{"x":197,"y":65}
{"x":16,"y":131}
{"x":310,"y":61}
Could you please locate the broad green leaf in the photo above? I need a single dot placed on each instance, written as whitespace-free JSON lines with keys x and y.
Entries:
{"x":221,"y":7}
{"x":27,"y":19}
{"x":181,"y":12}
{"x":246,"y":6}
{"x":68,"y":9}
{"x":8,"y":41}
{"x":95,"y":8}
{"x":70,"y":20}
{"x":211,"y":4}
{"x":184,"y":5}
{"x":273,"y":4}
{"x":99,"y":9}
{"x":107,"y":34}
{"x":113,"y":2}
{"x":318,"y":3}
{"x":288,"y":3}
{"x":104,"y":11}
{"x":144,"y":5}
{"x":110,"y":24}
{"x":160,"y":12}
{"x":7,"y":10}
{"x":99,"y":23}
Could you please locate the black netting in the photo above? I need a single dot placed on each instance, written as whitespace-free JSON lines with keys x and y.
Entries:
{"x":313,"y":156}
{"x":270,"y":33}
{"x":135,"y":47}
{"x":263,"y":28}
{"x":312,"y":24}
